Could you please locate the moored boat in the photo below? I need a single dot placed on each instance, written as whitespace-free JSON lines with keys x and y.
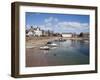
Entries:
{"x":51,"y":44}
{"x":45,"y":48}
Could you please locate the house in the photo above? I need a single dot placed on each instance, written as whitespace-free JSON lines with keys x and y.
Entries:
{"x":34,"y":32}
{"x":67,"y":35}
{"x":30,"y":32}
{"x":38,"y":32}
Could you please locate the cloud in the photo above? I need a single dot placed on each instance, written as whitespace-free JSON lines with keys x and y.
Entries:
{"x":44,"y":27}
{"x":73,"y":25}
{"x":50,"y":19}
{"x":56,"y":25}
{"x":76,"y":27}
{"x":49,"y":24}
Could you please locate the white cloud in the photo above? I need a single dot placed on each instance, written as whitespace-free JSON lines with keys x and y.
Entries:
{"x":56,"y":25}
{"x":49,"y":24}
{"x":51,"y":21}
{"x":73,"y":25}
{"x":44,"y":27}
{"x":48,"y":19}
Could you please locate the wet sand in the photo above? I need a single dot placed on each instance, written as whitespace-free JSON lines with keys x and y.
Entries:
{"x":36,"y":57}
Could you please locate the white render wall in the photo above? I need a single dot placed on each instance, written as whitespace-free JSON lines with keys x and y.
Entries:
{"x":29,"y":33}
{"x":38,"y":32}
{"x":66,"y":35}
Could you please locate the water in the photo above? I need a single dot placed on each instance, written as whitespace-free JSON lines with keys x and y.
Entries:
{"x":70,"y":52}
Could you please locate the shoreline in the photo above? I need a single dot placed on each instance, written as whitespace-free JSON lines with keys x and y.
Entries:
{"x":32,"y":42}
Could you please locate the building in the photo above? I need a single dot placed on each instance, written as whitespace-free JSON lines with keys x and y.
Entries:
{"x":34,"y":32}
{"x":30,"y":32}
{"x":38,"y":32}
{"x":67,"y":35}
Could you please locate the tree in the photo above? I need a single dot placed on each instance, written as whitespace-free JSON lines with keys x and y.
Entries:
{"x":81,"y":34}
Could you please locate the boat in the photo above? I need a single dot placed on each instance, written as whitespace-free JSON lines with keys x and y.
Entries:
{"x":51,"y":44}
{"x":45,"y":48}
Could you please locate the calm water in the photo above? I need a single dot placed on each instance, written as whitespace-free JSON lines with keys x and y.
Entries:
{"x":70,"y":52}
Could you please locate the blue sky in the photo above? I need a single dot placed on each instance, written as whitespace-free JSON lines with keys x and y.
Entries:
{"x":58,"y":22}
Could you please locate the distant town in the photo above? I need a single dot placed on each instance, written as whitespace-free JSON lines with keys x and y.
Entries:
{"x":38,"y":32}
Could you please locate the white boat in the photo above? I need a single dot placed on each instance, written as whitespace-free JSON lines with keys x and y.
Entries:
{"x":45,"y":48}
{"x":51,"y":44}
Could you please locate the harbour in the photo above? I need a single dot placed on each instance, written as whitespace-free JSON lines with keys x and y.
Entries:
{"x":69,"y":52}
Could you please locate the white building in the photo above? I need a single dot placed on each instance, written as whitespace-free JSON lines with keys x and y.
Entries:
{"x":67,"y":35}
{"x":38,"y":32}
{"x":34,"y":32}
{"x":29,"y":33}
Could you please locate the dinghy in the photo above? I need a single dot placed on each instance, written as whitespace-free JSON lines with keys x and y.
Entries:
{"x":51,"y":44}
{"x":45,"y":48}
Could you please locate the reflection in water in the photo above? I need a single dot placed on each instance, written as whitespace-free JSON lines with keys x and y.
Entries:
{"x":45,"y":51}
{"x":70,"y":52}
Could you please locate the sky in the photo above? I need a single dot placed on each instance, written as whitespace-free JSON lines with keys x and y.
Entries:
{"x":60,"y":23}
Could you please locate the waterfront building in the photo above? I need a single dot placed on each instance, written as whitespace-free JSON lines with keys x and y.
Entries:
{"x":69,"y":35}
{"x":30,"y":32}
{"x":34,"y":32}
{"x":38,"y":32}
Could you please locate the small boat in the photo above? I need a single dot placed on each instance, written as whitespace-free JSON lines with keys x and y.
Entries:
{"x":51,"y":44}
{"x":45,"y":48}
